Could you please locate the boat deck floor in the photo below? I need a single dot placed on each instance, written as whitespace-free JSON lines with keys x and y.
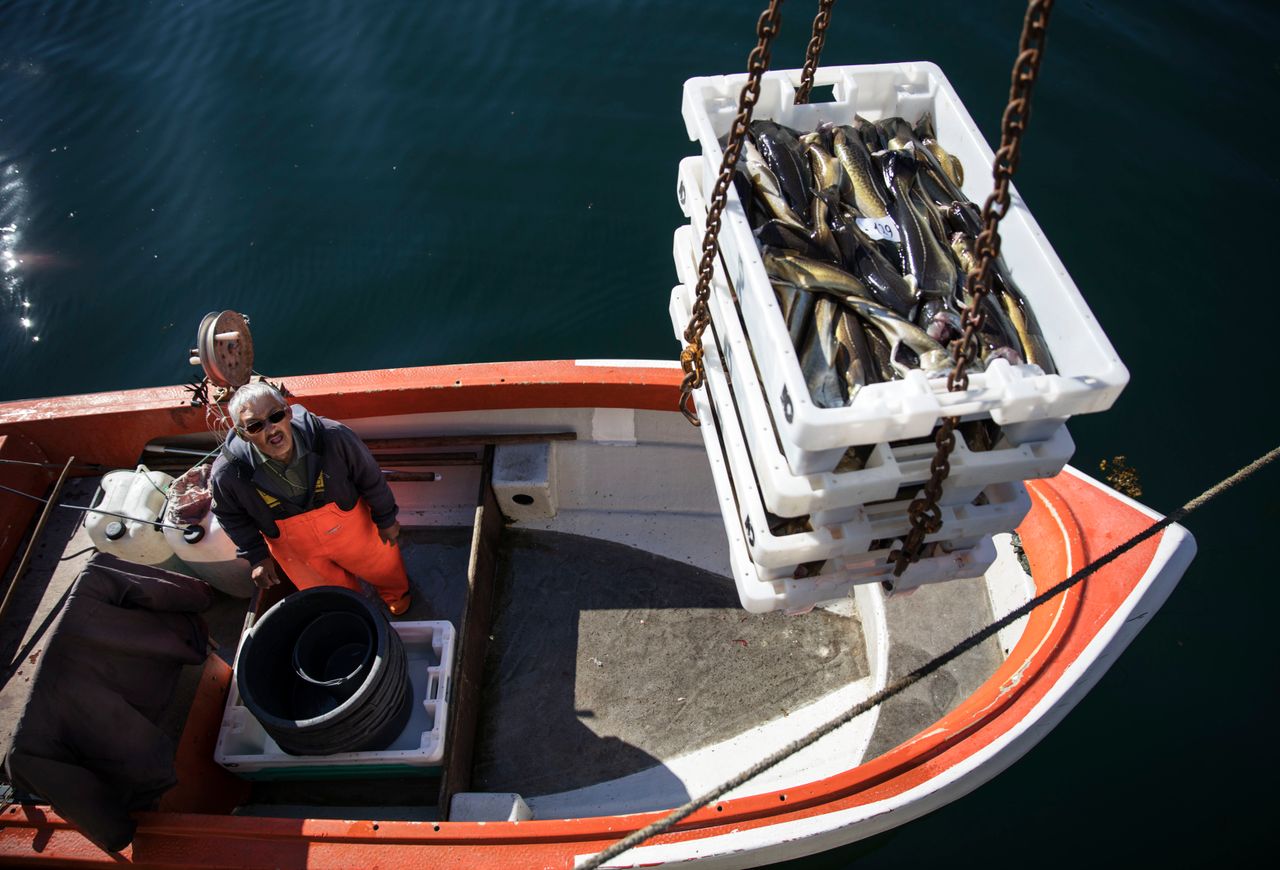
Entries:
{"x":605,"y":660}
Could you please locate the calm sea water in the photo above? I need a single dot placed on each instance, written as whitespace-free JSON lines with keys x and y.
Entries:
{"x":392,"y":184}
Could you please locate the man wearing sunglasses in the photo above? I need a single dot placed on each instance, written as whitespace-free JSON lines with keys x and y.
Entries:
{"x":302,"y":493}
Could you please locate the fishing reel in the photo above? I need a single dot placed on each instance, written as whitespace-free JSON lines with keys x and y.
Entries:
{"x":224,"y":349}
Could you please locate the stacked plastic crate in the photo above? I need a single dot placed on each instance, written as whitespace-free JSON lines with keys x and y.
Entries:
{"x":814,"y":499}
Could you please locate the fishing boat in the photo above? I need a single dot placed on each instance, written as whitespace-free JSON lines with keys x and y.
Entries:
{"x":604,"y":672}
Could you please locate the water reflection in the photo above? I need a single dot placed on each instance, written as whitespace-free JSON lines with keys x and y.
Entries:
{"x":13,"y":215}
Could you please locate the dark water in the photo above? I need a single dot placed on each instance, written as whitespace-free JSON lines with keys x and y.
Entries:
{"x":392,"y":184}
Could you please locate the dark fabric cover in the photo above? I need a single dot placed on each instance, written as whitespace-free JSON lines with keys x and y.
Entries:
{"x":248,"y":498}
{"x":88,"y":741}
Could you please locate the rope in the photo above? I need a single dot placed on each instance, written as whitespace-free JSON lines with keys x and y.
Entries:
{"x":146,"y":472}
{"x":905,"y":682}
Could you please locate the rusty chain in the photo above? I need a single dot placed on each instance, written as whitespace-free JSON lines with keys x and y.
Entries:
{"x":924,"y":514}
{"x":814,"y":51}
{"x":700,"y":314}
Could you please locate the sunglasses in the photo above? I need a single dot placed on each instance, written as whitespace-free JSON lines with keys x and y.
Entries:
{"x":253,"y":427}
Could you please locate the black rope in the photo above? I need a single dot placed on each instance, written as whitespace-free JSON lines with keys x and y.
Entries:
{"x":70,"y":556}
{"x":903,"y":683}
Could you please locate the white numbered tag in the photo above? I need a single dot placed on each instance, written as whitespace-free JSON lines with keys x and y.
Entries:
{"x":880,"y":228}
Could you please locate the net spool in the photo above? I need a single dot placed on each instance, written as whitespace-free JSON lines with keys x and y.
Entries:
{"x":224,"y":349}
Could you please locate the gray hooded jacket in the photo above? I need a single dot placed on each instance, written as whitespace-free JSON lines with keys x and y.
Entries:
{"x":248,"y":499}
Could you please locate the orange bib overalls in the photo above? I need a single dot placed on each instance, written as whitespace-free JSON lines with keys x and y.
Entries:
{"x":331,"y":547}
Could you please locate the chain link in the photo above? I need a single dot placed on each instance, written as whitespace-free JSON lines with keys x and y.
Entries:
{"x":700,"y":314}
{"x":924,"y":514}
{"x":814,"y":51}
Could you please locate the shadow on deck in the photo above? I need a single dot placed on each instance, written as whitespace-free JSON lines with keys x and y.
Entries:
{"x":607,"y":660}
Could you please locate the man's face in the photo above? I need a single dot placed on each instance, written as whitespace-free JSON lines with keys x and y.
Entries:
{"x":273,"y":437}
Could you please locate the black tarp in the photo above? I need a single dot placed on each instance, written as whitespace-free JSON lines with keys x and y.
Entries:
{"x":88,"y":739}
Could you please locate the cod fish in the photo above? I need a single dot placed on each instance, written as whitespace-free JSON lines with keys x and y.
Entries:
{"x":828,"y":174}
{"x":870,"y":196}
{"x":774,"y":233}
{"x":897,"y":134}
{"x":936,"y":181}
{"x":939,"y":174}
{"x":854,"y":359}
{"x":881,"y":352}
{"x":1000,"y":334}
{"x":797,"y":309}
{"x":822,"y":229}
{"x":812,"y":275}
{"x":818,"y":356}
{"x":964,"y":217}
{"x":934,"y":360}
{"x":861,"y":256}
{"x":923,"y":256}
{"x":1035,"y":350}
{"x":1016,"y":317}
{"x":768,"y":188}
{"x":784,"y":155}
{"x":947,"y":161}
{"x":869,"y":134}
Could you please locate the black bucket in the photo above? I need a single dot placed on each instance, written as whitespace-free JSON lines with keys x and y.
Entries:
{"x":324,"y":672}
{"x":331,"y":656}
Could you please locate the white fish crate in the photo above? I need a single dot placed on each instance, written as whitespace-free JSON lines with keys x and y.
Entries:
{"x":890,"y":470}
{"x":760,"y":594}
{"x":246,"y":749}
{"x":1026,"y":402}
{"x":779,"y":556}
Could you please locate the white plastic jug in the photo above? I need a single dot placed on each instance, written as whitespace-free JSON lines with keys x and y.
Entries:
{"x":138,"y":495}
{"x":211,"y":556}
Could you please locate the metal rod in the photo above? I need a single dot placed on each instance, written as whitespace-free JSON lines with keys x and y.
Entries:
{"x":35,"y":536}
{"x":404,"y":455}
{"x":410,"y":443}
{"x":49,"y":464}
{"x":93,"y":510}
{"x":449,"y":440}
{"x":412,"y":475}
{"x":178,"y":451}
{"x":385,"y":460}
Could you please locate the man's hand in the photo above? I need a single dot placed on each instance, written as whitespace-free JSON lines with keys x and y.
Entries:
{"x":389,"y":534}
{"x":265,"y":574}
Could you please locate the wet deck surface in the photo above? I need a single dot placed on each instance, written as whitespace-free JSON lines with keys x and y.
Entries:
{"x":606,"y":659}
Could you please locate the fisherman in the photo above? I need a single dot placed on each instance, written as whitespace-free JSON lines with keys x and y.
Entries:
{"x":311,"y":487}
